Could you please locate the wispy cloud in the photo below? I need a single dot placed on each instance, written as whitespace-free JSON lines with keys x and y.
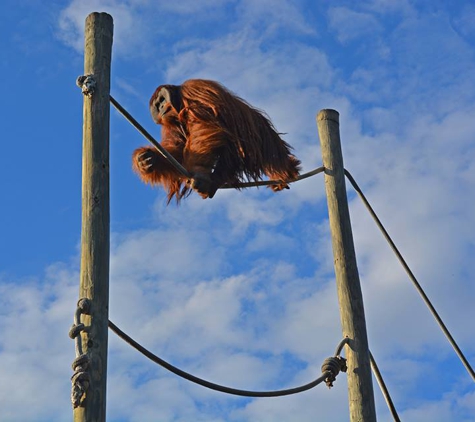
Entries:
{"x":350,"y":24}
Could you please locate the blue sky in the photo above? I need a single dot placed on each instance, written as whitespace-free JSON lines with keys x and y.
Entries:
{"x":240,"y":289}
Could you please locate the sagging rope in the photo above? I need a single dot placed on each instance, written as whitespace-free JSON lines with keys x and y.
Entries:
{"x":330,"y":369}
{"x":412,"y":276}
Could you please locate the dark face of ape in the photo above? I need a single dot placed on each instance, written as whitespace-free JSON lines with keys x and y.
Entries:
{"x":165,"y":103}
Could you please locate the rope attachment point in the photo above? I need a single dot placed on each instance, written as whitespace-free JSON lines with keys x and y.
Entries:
{"x":333,"y":366}
{"x":80,"y":379}
{"x":87,"y":83}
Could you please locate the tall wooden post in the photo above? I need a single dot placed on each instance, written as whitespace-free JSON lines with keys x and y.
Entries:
{"x":360,"y":387}
{"x":94,"y":277}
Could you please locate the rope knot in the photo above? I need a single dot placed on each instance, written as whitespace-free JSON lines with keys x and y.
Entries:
{"x":81,"y":379}
{"x":80,"y":383}
{"x":333,"y":365}
{"x":80,"y":363}
{"x":84,"y":305}
{"x":87,"y":83}
{"x":75,"y":330}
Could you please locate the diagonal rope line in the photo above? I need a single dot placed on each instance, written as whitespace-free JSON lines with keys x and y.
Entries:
{"x":412,"y":277}
{"x":246,"y":393}
{"x":383,"y":388}
{"x":377,"y":375}
{"x":150,"y":138}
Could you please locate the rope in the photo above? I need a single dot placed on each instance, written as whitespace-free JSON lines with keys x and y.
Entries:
{"x":383,"y":388}
{"x":331,"y":368}
{"x":412,"y":277}
{"x":340,"y":346}
{"x":150,"y":138}
{"x":274,"y":182}
{"x":87,"y":83}
{"x":80,"y":379}
{"x":378,"y":376}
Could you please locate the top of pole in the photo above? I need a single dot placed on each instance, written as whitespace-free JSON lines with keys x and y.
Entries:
{"x":99,"y":15}
{"x":328,"y":114}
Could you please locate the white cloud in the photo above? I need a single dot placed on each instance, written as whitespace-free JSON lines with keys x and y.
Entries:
{"x":129,"y":25}
{"x":35,"y":348}
{"x":389,"y":7}
{"x":440,"y":411}
{"x":306,"y":406}
{"x":274,"y":16}
{"x":349,"y":24}
{"x":240,"y":59}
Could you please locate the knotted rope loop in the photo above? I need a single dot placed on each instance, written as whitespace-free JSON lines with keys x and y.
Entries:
{"x":82,"y":361}
{"x":333,"y":366}
{"x":84,"y":304}
{"x":80,"y":379}
{"x":80,"y":384}
{"x":75,"y":330}
{"x":87,"y":83}
{"x":83,"y":307}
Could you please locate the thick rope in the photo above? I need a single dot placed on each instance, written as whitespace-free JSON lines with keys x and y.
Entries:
{"x":412,"y":277}
{"x":87,"y":83}
{"x":383,"y":388}
{"x":275,"y":182}
{"x":340,"y":346}
{"x":80,"y":379}
{"x":378,"y":376}
{"x":331,"y":368}
{"x":150,"y":138}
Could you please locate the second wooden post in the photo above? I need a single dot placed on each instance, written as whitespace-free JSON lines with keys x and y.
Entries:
{"x":360,"y":387}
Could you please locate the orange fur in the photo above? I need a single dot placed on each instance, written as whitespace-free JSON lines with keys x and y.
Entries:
{"x":217,"y":137}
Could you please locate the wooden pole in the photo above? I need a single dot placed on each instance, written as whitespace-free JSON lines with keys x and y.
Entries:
{"x":360,"y":387}
{"x":94,"y":276}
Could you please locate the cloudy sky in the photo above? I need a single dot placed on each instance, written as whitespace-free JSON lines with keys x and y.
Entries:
{"x":240,"y":289}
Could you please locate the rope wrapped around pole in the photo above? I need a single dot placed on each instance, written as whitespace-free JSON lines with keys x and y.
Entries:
{"x":81,"y":378}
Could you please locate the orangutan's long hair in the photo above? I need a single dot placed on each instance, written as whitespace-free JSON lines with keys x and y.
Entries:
{"x":217,"y":136}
